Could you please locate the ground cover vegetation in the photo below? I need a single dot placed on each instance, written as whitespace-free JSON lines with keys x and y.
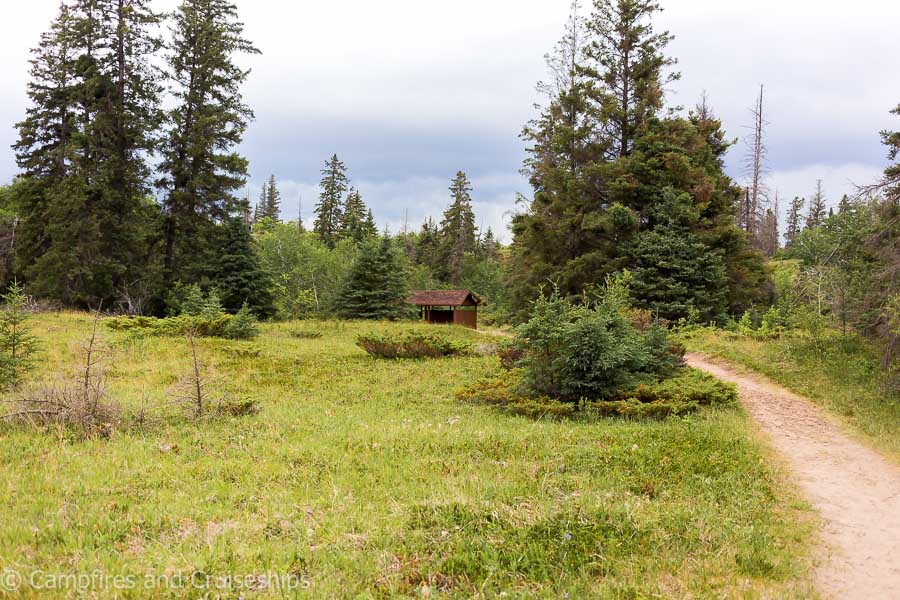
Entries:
{"x":370,"y":474}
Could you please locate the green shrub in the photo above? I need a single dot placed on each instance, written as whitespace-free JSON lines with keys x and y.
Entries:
{"x":171,"y":326}
{"x":690,"y":387}
{"x":682,"y":394}
{"x":569,"y":351}
{"x":411,"y":345}
{"x":306,"y":334}
{"x":503,"y":392}
{"x":242,"y":326}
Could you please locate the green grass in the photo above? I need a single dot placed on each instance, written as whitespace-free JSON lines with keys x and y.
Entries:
{"x":844,"y":376}
{"x":364,"y":478}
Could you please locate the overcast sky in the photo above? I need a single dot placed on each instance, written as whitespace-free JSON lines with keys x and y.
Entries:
{"x":407,"y":92}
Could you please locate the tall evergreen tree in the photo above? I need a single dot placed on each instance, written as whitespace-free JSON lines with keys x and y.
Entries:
{"x":629,"y":67}
{"x":45,"y":149}
{"x":845,"y":205}
{"x":376,"y":287}
{"x":237,"y":274}
{"x":201,"y":170}
{"x":427,"y":245}
{"x":353,"y":218}
{"x":329,"y":210}
{"x":96,"y":98}
{"x":794,"y":221}
{"x":818,"y":207}
{"x":270,"y":201}
{"x":891,"y":182}
{"x":457,"y":233}
{"x":369,"y":228}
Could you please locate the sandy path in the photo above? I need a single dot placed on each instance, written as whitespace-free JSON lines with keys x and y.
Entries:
{"x":854,"y":489}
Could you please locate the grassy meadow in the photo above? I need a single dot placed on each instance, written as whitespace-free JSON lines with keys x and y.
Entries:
{"x":841,"y":373}
{"x":364,"y":478}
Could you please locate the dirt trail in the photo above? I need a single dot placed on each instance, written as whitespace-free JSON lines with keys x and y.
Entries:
{"x":854,"y":489}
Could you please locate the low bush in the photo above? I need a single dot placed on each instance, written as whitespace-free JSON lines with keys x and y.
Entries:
{"x":504,"y":392}
{"x":411,"y":345}
{"x":306,"y":334}
{"x":180,"y":326}
{"x":243,"y":352}
{"x":682,"y":394}
{"x":690,"y":386}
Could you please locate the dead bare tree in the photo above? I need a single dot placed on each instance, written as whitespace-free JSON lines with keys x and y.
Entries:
{"x":82,"y":405}
{"x":197,"y":392}
{"x":756,"y":168}
{"x":192,"y":390}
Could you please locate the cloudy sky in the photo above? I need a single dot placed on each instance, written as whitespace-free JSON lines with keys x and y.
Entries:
{"x":407,"y":92}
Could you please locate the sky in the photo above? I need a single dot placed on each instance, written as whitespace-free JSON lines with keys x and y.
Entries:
{"x":408,"y":92}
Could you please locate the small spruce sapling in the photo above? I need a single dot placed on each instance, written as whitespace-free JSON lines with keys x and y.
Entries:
{"x":242,"y":325}
{"x":18,"y":347}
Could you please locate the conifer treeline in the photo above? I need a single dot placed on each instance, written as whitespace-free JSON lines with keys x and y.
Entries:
{"x":96,"y":144}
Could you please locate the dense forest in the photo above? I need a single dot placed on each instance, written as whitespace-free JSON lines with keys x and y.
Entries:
{"x":131,"y":191}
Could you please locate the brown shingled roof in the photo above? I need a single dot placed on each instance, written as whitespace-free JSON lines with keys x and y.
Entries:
{"x":443,"y":298}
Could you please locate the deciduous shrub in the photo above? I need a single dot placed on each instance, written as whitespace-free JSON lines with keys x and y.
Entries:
{"x":411,"y":345}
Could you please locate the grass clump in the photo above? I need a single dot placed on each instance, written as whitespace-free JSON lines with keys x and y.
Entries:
{"x":411,"y":345}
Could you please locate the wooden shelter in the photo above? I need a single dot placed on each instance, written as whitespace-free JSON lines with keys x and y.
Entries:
{"x":457,"y":307}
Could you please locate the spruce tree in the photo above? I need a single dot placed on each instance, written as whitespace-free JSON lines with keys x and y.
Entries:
{"x":83,"y":148}
{"x":376,"y":286}
{"x":237,"y":274}
{"x":818,"y":208}
{"x":329,"y":210}
{"x":353,"y":217}
{"x":457,"y":233}
{"x":891,"y":182}
{"x":270,"y":201}
{"x":627,"y":61}
{"x":845,"y":205}
{"x":370,"y":229}
{"x":18,"y":347}
{"x":602,"y":180}
{"x":201,"y":169}
{"x":427,"y":245}
{"x":260,"y":211}
{"x":794,"y":221}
